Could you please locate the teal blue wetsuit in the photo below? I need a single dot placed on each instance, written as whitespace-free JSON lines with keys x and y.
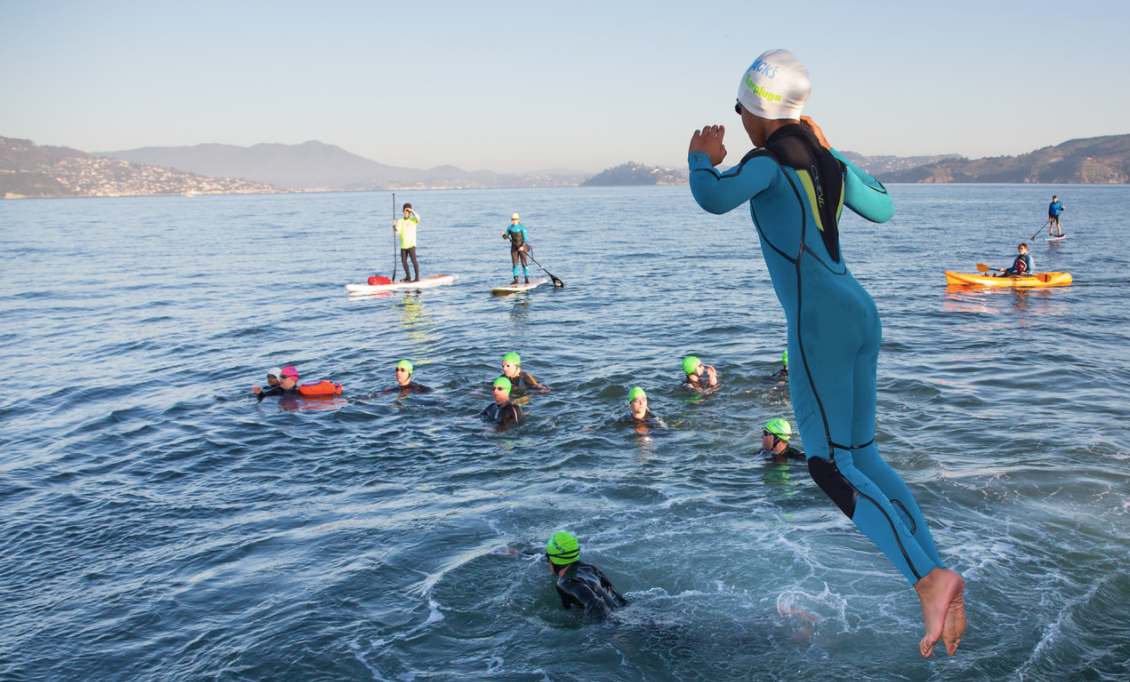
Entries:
{"x":796,"y":191}
{"x":516,"y":233}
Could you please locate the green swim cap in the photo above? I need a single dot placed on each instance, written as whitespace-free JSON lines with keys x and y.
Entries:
{"x":562,"y":548}
{"x":406,"y":365}
{"x":636,"y":392}
{"x":512,"y":357}
{"x":503,"y":382}
{"x":779,"y":428}
{"x":785,"y":358}
{"x":690,"y":363}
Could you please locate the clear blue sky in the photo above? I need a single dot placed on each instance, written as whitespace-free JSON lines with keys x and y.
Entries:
{"x":520,"y":86}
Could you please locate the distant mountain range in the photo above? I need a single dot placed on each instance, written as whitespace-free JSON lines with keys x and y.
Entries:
{"x":317,"y":166}
{"x":632,"y":173}
{"x":1093,"y":160}
{"x":28,"y":170}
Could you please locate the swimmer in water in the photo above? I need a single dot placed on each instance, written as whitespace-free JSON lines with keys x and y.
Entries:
{"x":796,"y":185}
{"x":502,"y":411}
{"x":404,"y":382}
{"x":580,"y":584}
{"x":274,"y":377}
{"x":694,"y":369}
{"x":519,"y":380}
{"x":641,"y":418}
{"x":775,"y":442}
{"x":287,"y":386}
{"x":783,"y":373}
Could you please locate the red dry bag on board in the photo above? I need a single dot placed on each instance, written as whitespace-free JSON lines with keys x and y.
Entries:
{"x":377,"y":279}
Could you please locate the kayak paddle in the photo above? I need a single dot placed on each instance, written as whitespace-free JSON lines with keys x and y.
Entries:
{"x":556,"y":282}
{"x":981,"y":267}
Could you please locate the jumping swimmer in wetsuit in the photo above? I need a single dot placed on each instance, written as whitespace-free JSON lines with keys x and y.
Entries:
{"x":404,"y":382}
{"x":502,"y":411}
{"x":580,"y":584}
{"x":516,"y":233}
{"x":796,"y":186}
{"x":287,"y":386}
{"x":775,"y":442}
{"x":1022,"y":266}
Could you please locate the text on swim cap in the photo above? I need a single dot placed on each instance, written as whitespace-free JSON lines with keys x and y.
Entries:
{"x":764,"y":68}
{"x":760,"y":91}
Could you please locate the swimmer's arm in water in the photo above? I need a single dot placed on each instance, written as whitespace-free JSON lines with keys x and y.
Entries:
{"x":580,"y":594}
{"x":717,"y":192}
{"x":607,"y":584}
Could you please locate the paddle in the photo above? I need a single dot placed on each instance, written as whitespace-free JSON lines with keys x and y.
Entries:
{"x":394,"y":238}
{"x":556,"y":282}
{"x":1040,"y":230}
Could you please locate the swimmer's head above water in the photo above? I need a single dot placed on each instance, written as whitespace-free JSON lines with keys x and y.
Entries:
{"x":403,"y":372}
{"x":511,"y":364}
{"x":562,"y":550}
{"x":501,"y":390}
{"x":775,"y":436}
{"x":638,"y":400}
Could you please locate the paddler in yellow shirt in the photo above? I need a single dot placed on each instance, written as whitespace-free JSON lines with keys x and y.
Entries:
{"x":406,"y":228}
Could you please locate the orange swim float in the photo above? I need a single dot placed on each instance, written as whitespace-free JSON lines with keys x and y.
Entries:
{"x":319,"y":389}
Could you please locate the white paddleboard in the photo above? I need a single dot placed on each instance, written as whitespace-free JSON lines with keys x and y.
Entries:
{"x":1055,"y":239}
{"x":424,"y":283}
{"x":518,"y":288}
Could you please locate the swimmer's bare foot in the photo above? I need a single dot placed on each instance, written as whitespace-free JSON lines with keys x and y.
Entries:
{"x":941,"y":593}
{"x":954,"y":626}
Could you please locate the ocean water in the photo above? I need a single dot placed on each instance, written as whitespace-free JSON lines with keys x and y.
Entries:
{"x":157,"y":523}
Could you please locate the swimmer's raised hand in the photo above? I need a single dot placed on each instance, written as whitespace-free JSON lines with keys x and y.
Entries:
{"x":807,"y":122}
{"x":709,"y":142}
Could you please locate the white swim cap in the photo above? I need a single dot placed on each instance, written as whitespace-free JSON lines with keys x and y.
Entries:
{"x":514,"y":216}
{"x":776,"y":86}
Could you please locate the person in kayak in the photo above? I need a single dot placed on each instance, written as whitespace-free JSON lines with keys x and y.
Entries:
{"x":694,"y":369}
{"x":783,"y":373}
{"x":519,"y":380}
{"x":502,"y":411}
{"x":286,"y":388}
{"x":406,"y":228}
{"x":796,"y":185}
{"x":1054,"y":210}
{"x":1023,"y":266}
{"x":404,"y":382}
{"x":775,"y":442}
{"x":579,"y":584}
{"x":516,"y":233}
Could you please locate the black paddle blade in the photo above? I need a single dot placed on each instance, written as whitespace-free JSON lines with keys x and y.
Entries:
{"x":557,"y":284}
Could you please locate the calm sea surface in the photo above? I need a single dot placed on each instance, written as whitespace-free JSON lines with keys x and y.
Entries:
{"x":157,"y":523}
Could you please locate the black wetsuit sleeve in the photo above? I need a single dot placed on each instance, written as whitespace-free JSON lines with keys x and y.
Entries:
{"x":512,"y":415}
{"x":575,"y":591}
{"x":417,"y":388}
{"x":607,"y":585}
{"x":274,"y":390}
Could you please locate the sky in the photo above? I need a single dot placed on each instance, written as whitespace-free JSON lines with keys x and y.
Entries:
{"x":524,"y":86}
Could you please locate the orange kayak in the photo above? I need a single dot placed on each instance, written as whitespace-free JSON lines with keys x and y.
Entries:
{"x":1040,"y":279}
